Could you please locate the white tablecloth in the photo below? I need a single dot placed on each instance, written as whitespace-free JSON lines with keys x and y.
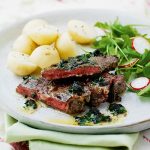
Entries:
{"x":14,"y":10}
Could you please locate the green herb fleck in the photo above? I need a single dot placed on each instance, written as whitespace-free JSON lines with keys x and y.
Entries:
{"x":99,"y":80}
{"x":74,"y":62}
{"x":117,"y":109}
{"x":76,"y":88}
{"x":33,"y":95}
{"x":26,"y":77}
{"x":93,"y":116}
{"x":30,"y":104}
{"x":97,"y":52}
{"x":63,"y":64}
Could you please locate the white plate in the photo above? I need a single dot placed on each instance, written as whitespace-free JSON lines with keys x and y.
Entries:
{"x":138,"y":117}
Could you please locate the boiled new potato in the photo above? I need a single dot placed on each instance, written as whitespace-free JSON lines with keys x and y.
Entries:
{"x":81,"y":32}
{"x":44,"y":34}
{"x":45,"y":56}
{"x":24,"y":44}
{"x":20,"y":63}
{"x":66,"y":46}
{"x":32,"y":24}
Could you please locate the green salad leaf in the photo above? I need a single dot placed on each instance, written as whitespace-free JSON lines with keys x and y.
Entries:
{"x":118,"y":41}
{"x":145,"y":58}
{"x":145,"y":91}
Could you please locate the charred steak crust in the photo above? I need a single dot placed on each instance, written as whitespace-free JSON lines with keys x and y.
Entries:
{"x":110,"y":89}
{"x":79,"y":67}
{"x":72,"y":95}
{"x":53,"y":94}
{"x":99,"y":90}
{"x":117,"y":87}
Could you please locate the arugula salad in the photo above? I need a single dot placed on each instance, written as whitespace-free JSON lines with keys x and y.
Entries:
{"x":133,"y":50}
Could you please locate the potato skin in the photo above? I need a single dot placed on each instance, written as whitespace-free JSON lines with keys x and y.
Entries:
{"x":44,"y":35}
{"x":20,"y":63}
{"x":81,"y":32}
{"x":66,"y":46}
{"x":24,"y":44}
{"x":45,"y":56}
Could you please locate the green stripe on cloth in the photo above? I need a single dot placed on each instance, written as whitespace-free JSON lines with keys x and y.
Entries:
{"x":51,"y":140}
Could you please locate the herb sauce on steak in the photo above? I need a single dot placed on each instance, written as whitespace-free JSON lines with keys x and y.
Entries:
{"x":86,"y":64}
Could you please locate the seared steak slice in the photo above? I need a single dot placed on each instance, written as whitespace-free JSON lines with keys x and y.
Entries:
{"x":100,"y":88}
{"x":79,"y":66}
{"x":117,"y":87}
{"x":99,"y":94}
{"x":108,"y":87}
{"x":119,"y":84}
{"x":61,"y":96}
{"x":71,"y":96}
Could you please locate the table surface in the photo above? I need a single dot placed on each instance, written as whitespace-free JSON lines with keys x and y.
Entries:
{"x":13,"y":10}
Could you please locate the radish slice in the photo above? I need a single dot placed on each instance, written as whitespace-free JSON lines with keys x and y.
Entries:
{"x":140,"y":44}
{"x":140,"y":83}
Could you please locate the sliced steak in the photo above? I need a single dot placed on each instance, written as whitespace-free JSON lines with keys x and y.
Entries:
{"x":58,"y":95}
{"x":100,"y":88}
{"x":108,"y":87}
{"x":118,"y":87}
{"x":79,"y":66}
{"x":73,"y":94}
